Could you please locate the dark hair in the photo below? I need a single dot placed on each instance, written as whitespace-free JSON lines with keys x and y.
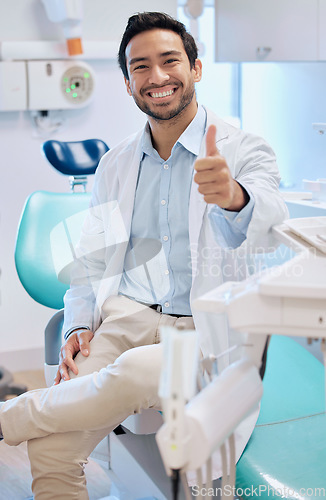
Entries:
{"x":146,"y":21}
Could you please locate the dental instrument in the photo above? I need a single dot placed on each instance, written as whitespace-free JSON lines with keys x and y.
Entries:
{"x":195,"y":425}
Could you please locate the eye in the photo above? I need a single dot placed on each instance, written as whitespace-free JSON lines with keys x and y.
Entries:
{"x":170,"y":61}
{"x":140,"y":67}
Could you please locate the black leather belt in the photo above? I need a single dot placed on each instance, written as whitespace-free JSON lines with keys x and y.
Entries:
{"x":158,"y":308}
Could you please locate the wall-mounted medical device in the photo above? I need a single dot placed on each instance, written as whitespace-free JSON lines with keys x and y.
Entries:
{"x":45,"y":85}
{"x":69,"y":14}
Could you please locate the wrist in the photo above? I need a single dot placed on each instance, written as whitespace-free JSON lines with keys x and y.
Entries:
{"x":240,"y":198}
{"x":74,"y":329}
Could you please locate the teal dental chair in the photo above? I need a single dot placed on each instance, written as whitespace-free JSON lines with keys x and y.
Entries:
{"x":44,"y":215}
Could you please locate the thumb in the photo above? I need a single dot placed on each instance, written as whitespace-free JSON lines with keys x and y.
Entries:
{"x":84,"y":345}
{"x":211,"y":148}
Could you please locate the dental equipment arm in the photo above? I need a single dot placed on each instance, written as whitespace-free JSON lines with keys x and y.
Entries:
{"x":287,"y":300}
{"x":193,"y":430}
{"x":178,"y":383}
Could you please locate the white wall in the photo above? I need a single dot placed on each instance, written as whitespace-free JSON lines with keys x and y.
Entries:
{"x":218,"y":89}
{"x":111,"y":117}
{"x":280,"y":101}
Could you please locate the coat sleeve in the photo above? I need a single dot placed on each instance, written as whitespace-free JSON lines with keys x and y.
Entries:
{"x":253,"y":164}
{"x":87,"y":271}
{"x":88,"y":268}
{"x":257,"y":170}
{"x":102,"y":238}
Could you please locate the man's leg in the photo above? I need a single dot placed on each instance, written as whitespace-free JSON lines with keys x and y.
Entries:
{"x":73,"y":417}
{"x":57,"y":460}
{"x":45,"y":411}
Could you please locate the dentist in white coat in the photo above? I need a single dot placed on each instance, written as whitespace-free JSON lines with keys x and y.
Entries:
{"x":176,"y":210}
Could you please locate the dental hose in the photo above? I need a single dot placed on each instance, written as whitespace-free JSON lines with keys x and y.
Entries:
{"x":175,"y":479}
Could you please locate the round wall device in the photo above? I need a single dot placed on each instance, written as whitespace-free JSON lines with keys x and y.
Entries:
{"x":77,"y":84}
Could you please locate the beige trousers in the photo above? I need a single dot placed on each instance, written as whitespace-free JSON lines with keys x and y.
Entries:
{"x":64,"y":423}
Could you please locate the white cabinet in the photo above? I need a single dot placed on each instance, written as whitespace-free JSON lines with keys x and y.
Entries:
{"x":267,"y":30}
{"x":322,"y":30}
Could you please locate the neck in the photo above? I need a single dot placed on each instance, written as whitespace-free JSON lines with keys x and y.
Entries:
{"x":165,"y":133}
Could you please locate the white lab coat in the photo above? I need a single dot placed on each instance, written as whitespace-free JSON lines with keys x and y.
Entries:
{"x":107,"y":228}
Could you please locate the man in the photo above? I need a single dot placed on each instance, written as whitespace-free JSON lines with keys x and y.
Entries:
{"x":176,"y":210}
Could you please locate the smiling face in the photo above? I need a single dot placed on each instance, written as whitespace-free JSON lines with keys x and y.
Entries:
{"x":161,"y":81}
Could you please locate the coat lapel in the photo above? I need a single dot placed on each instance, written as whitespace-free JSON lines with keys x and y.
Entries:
{"x":128,"y":165}
{"x":197,"y":204}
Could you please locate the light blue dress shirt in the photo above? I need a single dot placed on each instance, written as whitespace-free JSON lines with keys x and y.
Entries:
{"x":157,"y":267}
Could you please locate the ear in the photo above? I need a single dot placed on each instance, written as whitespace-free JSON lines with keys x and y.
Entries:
{"x":127,"y":84}
{"x":197,"y":69}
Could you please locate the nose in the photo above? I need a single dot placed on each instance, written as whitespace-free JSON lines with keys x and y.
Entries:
{"x":158,"y":75}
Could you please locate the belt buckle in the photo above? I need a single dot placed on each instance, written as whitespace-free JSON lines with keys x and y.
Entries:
{"x":159,"y":308}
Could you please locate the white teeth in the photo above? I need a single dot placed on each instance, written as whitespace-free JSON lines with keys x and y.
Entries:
{"x":162,"y":94}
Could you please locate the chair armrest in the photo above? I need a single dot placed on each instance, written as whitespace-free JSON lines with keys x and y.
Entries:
{"x":53,"y":338}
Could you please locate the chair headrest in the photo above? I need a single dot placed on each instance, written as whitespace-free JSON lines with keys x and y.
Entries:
{"x":75,"y":158}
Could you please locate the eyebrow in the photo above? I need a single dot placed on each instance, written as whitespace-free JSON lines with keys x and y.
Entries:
{"x":164,"y":54}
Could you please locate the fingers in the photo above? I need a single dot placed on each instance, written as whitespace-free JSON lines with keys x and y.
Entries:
{"x":211,"y":148}
{"x":57,"y":378}
{"x":208,"y":168}
{"x":62,"y":374}
{"x":213,"y":175}
{"x":84,"y":337}
{"x":212,"y":159}
{"x":67,"y":364}
{"x":78,"y":341}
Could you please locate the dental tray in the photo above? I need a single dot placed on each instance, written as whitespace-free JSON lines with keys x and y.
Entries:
{"x":311,"y":229}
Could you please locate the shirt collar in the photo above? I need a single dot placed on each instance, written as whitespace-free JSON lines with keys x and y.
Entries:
{"x":190,"y":139}
{"x":146,"y":142}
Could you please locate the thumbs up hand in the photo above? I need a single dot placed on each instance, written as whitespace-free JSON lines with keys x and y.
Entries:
{"x":214,"y":178}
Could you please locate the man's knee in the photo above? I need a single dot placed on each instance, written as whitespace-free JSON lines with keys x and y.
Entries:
{"x":138,"y":369}
{"x":144,"y":360}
